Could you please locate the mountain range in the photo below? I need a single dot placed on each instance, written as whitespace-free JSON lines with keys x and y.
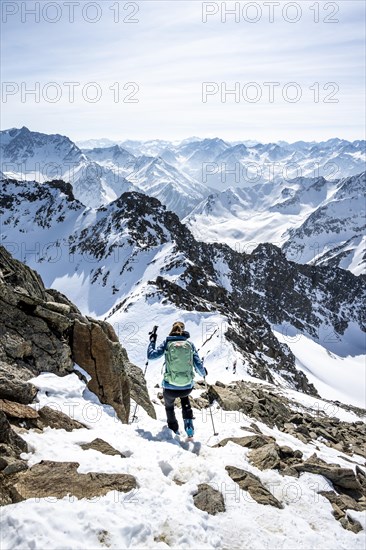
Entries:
{"x":315,"y":217}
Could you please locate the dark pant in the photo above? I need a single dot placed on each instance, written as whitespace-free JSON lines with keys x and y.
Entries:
{"x":169,"y":397}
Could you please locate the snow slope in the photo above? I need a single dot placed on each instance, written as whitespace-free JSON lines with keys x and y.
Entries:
{"x":160,"y":513}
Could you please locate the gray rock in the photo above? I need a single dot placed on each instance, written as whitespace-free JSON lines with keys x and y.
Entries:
{"x":209,"y":500}
{"x":350,"y":524}
{"x":251,"y":483}
{"x":59,"y":479}
{"x":49,"y":417}
{"x":251,"y":441}
{"x":343,"y":478}
{"x":265,"y":457}
{"x":103,"y":447}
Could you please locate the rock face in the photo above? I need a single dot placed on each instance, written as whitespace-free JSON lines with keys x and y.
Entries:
{"x":97,"y":350}
{"x":59,"y":479}
{"x":209,"y":500}
{"x":251,"y":483}
{"x":42,"y":331}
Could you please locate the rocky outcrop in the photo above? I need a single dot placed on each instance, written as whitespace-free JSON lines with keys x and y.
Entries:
{"x":60,"y":479}
{"x":343,"y":479}
{"x":340,"y":505}
{"x":42,"y":331}
{"x":266,"y":404}
{"x":251,"y":483}
{"x":96,"y":349}
{"x":57,"y":420}
{"x":208,"y":499}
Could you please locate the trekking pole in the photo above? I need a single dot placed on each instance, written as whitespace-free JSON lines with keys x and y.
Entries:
{"x":209,"y":406}
{"x":153,"y":332}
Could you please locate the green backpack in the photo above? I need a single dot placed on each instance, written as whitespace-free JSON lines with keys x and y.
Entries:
{"x":179,"y":363}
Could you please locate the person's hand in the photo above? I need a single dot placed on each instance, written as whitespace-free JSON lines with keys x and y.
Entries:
{"x":153,"y":338}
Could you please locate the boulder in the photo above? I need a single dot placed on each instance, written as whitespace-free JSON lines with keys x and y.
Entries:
{"x":265,"y":457}
{"x":42,"y":331}
{"x":350,"y":524}
{"x":251,"y":483}
{"x":208,"y":499}
{"x":59,"y":479}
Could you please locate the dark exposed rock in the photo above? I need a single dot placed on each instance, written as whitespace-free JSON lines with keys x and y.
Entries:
{"x":259,"y":402}
{"x":25,"y":416}
{"x":344,"y":502}
{"x":208,"y":499}
{"x":103,"y":447}
{"x":350,"y":524}
{"x":251,"y":483}
{"x":59,"y":479}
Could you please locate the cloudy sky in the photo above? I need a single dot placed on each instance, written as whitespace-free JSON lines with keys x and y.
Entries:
{"x":164,"y":69}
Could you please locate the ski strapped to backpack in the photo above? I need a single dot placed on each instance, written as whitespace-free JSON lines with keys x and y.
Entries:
{"x":179,"y":363}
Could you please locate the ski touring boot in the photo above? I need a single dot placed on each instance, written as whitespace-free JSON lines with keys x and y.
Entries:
{"x":188,"y":426}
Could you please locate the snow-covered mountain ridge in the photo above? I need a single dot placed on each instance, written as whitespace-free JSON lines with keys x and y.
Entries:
{"x":123,"y":259}
{"x":313,"y":220}
{"x":309,"y":217}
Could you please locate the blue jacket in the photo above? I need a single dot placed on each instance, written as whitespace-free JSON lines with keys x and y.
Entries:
{"x":153,"y":353}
